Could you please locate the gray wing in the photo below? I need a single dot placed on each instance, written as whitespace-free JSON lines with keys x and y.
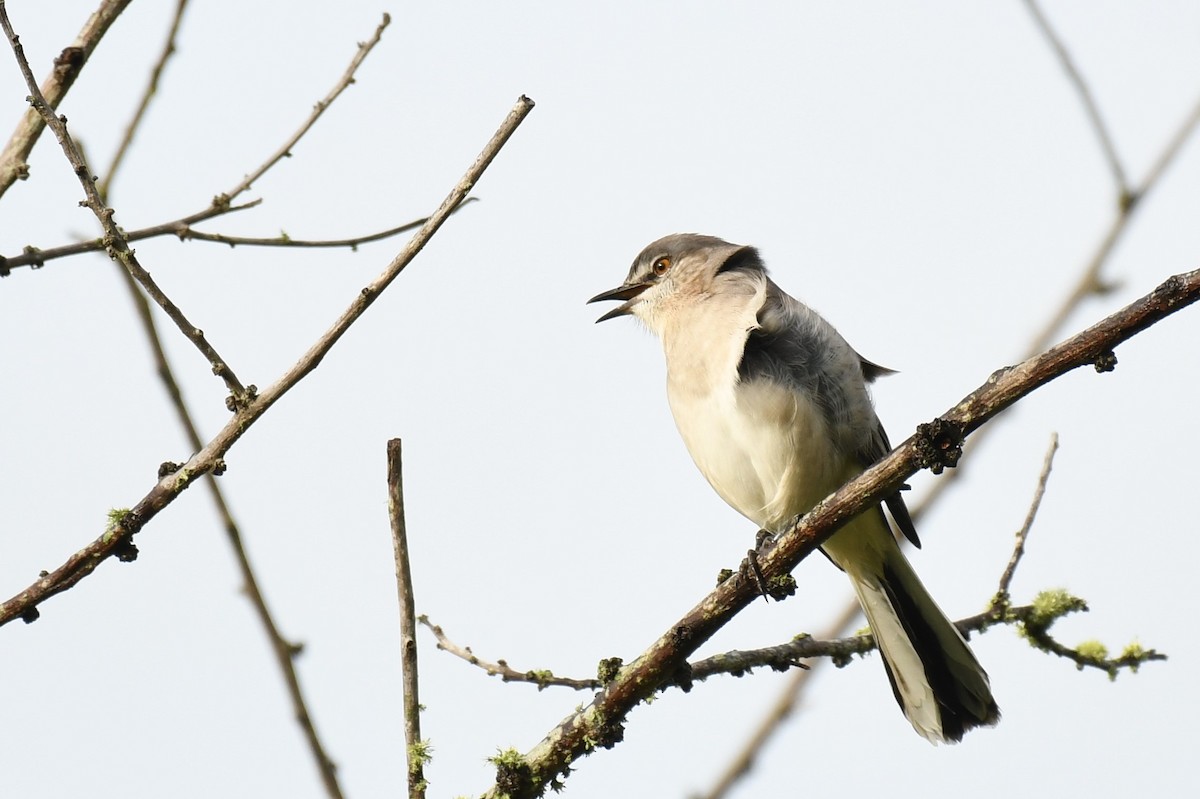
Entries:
{"x":793,"y":345}
{"x":878,"y":447}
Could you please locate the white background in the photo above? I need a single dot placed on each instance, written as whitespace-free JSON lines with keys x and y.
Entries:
{"x":923,"y":175}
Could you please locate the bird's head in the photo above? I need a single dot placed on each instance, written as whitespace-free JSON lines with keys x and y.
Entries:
{"x":678,"y":271}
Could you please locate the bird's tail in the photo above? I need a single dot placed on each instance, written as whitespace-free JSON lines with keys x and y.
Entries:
{"x":939,"y":684}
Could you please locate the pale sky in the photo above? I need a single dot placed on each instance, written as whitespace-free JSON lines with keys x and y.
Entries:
{"x":923,"y":175}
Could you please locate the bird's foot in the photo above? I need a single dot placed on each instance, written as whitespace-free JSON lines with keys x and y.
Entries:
{"x":751,"y":570}
{"x":779,"y":587}
{"x":762,"y":540}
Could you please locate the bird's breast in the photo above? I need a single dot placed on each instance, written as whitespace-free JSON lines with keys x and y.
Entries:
{"x":764,"y":448}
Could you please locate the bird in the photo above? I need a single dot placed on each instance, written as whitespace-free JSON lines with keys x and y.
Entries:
{"x":773,"y":406}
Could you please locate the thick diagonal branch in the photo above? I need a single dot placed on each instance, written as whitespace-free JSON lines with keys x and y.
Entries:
{"x":600,"y":723}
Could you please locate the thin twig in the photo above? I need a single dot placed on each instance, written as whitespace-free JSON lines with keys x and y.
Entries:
{"x":780,"y":657}
{"x":36,"y":257}
{"x":221,"y":204}
{"x":785,"y":704}
{"x":417,"y":750}
{"x":934,"y":446}
{"x":182,"y":229}
{"x":1034,"y":622}
{"x":147,"y":95}
{"x":1022,"y":534}
{"x":115,"y":241}
{"x":1091,"y":282}
{"x":284,"y":650}
{"x":1169,"y":153}
{"x":67,"y":66}
{"x":838,"y":650}
{"x":117,"y":538}
{"x":188,"y":234}
{"x":1085,"y":96}
{"x":347,"y":78}
{"x":542,"y":678}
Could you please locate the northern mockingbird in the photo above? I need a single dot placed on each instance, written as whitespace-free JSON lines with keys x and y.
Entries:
{"x":772,"y":404}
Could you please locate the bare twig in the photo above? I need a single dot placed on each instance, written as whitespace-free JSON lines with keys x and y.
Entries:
{"x":182,"y":228}
{"x":147,"y":95}
{"x":1019,"y":545}
{"x":542,"y":678}
{"x":117,"y":538}
{"x":222,"y":203}
{"x":1171,"y":151}
{"x":787,"y":656}
{"x":188,"y":234}
{"x":347,"y":78}
{"x":417,"y":750}
{"x":284,"y":650}
{"x":841,"y":650}
{"x":781,"y":709}
{"x":67,"y":67}
{"x":36,"y":257}
{"x":935,"y":445}
{"x":1091,"y":282}
{"x":115,"y":241}
{"x":1085,"y":96}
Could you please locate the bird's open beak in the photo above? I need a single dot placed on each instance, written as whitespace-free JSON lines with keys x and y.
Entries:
{"x":626,"y":293}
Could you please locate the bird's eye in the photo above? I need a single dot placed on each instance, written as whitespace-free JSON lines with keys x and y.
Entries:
{"x":661,"y":266}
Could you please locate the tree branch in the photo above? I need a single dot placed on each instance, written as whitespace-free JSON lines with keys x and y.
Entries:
{"x":182,"y":228}
{"x":37,"y":257}
{"x":147,"y":95}
{"x":1034,"y":622}
{"x":221,"y":204}
{"x":1090,"y":283}
{"x":784,"y":705}
{"x":284,"y":240}
{"x":67,"y":66}
{"x":347,"y":78}
{"x":1022,"y":534}
{"x":542,"y":678}
{"x":934,"y":446}
{"x":285,"y":651}
{"x":117,"y":538}
{"x":115,"y":242}
{"x":787,"y":700}
{"x":1085,"y":97}
{"x":417,"y":750}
